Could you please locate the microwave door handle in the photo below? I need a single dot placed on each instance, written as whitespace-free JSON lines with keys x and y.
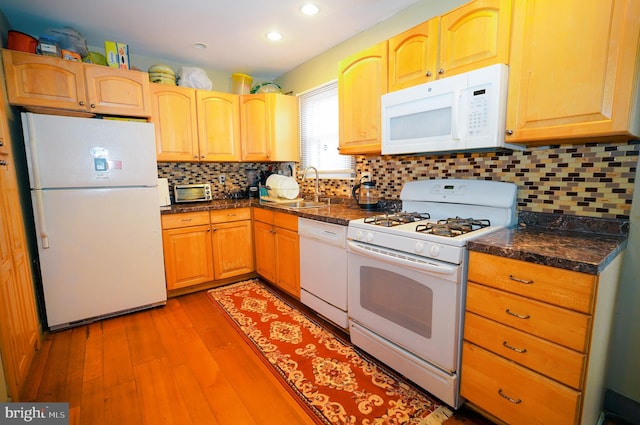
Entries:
{"x":455,"y":116}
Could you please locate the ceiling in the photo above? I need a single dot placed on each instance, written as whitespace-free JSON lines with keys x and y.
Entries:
{"x":234,"y":30}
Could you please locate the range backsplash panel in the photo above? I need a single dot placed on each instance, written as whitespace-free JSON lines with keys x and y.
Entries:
{"x":594,"y":180}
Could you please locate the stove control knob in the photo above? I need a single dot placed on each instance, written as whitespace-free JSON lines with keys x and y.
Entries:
{"x":435,"y":250}
{"x":369,"y":236}
{"x":419,"y":247}
{"x":359,"y":235}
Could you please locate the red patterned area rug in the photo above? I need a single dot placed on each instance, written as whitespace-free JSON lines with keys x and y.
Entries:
{"x":330,"y":377}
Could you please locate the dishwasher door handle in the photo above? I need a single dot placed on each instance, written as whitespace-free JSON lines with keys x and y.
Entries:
{"x":401,"y":259}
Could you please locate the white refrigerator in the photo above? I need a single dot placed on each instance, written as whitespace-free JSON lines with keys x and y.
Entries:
{"x":95,"y":204}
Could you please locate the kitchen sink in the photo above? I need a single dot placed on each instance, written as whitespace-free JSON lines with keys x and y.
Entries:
{"x":303,"y":204}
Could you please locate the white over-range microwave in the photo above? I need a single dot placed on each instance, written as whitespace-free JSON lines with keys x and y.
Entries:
{"x":463,"y":112}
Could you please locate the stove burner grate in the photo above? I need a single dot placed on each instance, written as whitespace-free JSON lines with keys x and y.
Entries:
{"x":395,"y":219}
{"x":452,"y":227}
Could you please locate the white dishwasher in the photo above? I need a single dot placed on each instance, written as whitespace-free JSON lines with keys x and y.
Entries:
{"x":323,"y":269}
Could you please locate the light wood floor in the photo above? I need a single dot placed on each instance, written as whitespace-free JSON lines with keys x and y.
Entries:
{"x":178,"y":364}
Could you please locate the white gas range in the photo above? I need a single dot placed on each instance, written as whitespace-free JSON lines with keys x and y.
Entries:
{"x":407,"y":275}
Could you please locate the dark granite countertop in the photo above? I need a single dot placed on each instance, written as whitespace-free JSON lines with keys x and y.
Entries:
{"x":575,"y":243}
{"x":582,"y":244}
{"x":337,"y":213}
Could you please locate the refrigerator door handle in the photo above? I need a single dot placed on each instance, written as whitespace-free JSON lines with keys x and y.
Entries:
{"x":33,"y":151}
{"x":42,"y":223}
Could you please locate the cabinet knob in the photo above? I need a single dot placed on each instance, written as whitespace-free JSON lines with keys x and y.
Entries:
{"x":3,"y":162}
{"x":428,"y":74}
{"x":81,"y":103}
{"x":202,"y":157}
{"x":195,"y":156}
{"x":441,"y":71}
{"x":509,"y":132}
{"x":93,"y":105}
{"x":1,"y":143}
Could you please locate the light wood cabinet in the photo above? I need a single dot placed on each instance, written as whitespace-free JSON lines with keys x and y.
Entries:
{"x":19,"y":327}
{"x":38,"y":81}
{"x":203,"y":246}
{"x":195,"y":125}
{"x":362,"y":80}
{"x":186,"y":240}
{"x":535,"y":340}
{"x":413,"y":56}
{"x":218,"y":126}
{"x":474,"y":35}
{"x":176,"y":123}
{"x":581,"y":77}
{"x":278,"y":249}
{"x":232,"y":239}
{"x":269,"y":127}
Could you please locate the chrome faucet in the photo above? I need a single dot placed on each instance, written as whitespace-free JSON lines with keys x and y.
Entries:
{"x":304,"y":176}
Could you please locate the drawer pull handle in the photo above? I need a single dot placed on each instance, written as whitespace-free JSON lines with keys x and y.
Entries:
{"x":186,"y":220}
{"x":519,"y":316}
{"x":516,"y":279}
{"x":511,"y":347}
{"x":512,"y":400}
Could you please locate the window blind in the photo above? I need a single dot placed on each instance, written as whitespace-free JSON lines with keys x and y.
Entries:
{"x":319,"y":133}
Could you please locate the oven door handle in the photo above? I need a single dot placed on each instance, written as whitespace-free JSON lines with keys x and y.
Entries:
{"x":399,"y":260}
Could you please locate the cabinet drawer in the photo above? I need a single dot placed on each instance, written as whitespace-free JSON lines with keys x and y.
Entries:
{"x":287,"y":221}
{"x":564,"y":327}
{"x":266,"y":216}
{"x":564,"y":288}
{"x":227,"y":215}
{"x":171,"y":221}
{"x":514,"y":394}
{"x":552,"y":360}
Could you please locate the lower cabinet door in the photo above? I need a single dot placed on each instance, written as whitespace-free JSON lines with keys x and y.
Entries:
{"x":265,"y":245}
{"x":513,"y":393}
{"x":232,"y":249}
{"x":288,"y":261}
{"x":187,"y":256}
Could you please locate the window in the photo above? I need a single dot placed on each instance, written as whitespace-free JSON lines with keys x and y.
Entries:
{"x":319,"y":133}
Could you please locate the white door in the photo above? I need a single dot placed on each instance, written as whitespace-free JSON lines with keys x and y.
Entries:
{"x":83,"y":152}
{"x":104,"y":252}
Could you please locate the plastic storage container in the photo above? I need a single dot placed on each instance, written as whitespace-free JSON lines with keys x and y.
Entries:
{"x":241,"y":83}
{"x":49,"y":46}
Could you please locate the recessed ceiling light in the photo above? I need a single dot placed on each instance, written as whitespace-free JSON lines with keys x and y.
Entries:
{"x":310,"y":9}
{"x":200,"y":46}
{"x":274,"y":36}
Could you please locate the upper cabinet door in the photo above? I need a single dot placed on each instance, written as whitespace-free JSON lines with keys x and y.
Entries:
{"x":256,"y":129}
{"x":175,"y":121}
{"x":43,"y":81}
{"x":413,"y":56}
{"x":362,"y":80}
{"x":474,"y":35}
{"x":115,"y":91}
{"x":218,"y":126}
{"x":573,"y":71}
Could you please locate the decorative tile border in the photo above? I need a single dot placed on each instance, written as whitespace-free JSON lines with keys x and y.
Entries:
{"x":594,"y":180}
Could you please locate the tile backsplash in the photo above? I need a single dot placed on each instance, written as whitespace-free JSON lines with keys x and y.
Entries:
{"x":593,"y":180}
